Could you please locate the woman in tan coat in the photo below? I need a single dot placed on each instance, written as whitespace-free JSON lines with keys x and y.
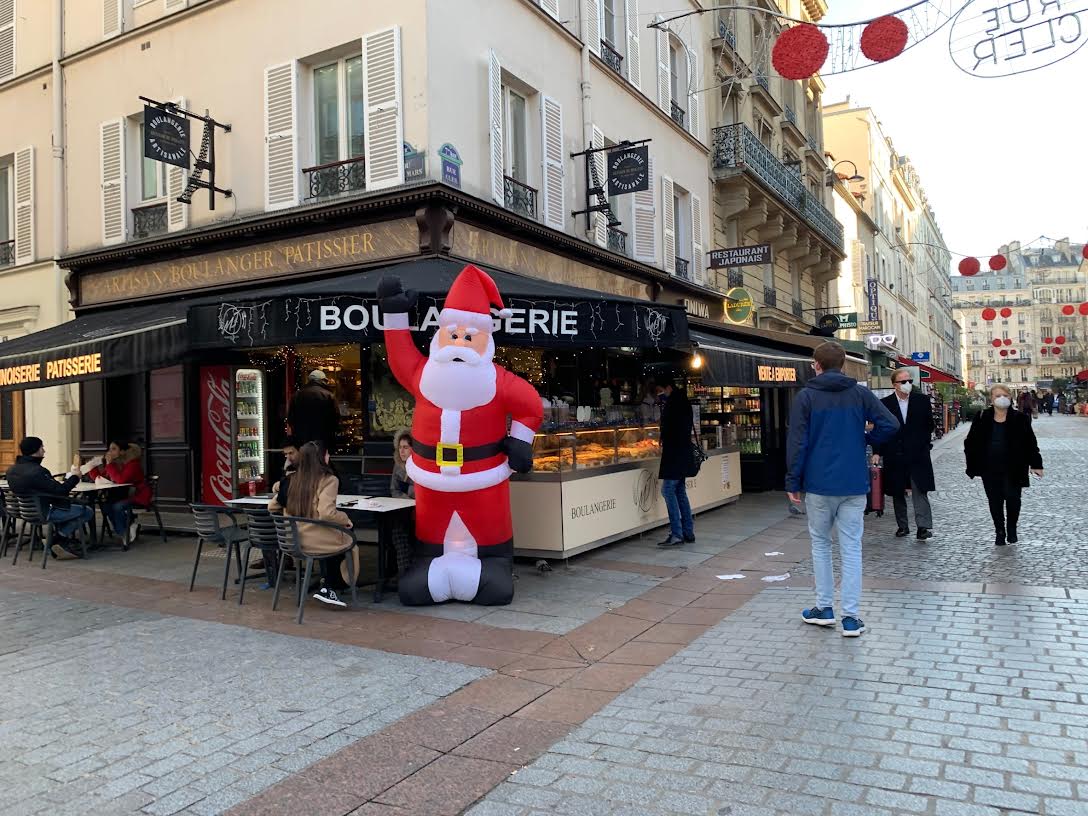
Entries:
{"x":311,"y":493}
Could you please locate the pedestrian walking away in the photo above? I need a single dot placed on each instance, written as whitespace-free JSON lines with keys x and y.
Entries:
{"x":313,"y":415}
{"x":908,"y":468}
{"x":825,"y":459}
{"x":676,"y":442}
{"x":1001,"y":449}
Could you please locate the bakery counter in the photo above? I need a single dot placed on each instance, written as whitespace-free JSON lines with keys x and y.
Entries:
{"x":586,"y":503}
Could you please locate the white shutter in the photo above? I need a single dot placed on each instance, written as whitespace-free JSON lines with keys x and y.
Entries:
{"x":553,"y":189}
{"x":634,"y":62}
{"x":280,"y":136}
{"x":114,"y":198}
{"x":177,"y":214}
{"x":643,"y":226}
{"x":695,"y":84}
{"x":592,"y":11}
{"x":383,"y":128}
{"x":24,"y":205}
{"x":600,"y":228}
{"x":175,"y":5}
{"x":495,"y":127}
{"x":664,"y":86}
{"x":698,"y":262}
{"x":7,"y":38}
{"x":668,"y":227}
{"x":113,"y":17}
{"x":551,"y":6}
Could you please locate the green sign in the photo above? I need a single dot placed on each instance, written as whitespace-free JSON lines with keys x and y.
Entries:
{"x":738,"y":305}
{"x":834,"y":322}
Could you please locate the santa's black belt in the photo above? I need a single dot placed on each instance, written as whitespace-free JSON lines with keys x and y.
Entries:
{"x":456,"y":455}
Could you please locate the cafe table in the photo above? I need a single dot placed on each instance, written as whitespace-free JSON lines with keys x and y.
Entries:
{"x":384,"y":508}
{"x":96,"y":495}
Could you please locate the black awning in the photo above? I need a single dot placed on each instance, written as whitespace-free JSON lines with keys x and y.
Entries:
{"x":727,"y":361}
{"x":106,"y":344}
{"x":345,"y":309}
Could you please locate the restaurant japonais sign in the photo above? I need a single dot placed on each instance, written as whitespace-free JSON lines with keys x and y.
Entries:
{"x":740,"y":256}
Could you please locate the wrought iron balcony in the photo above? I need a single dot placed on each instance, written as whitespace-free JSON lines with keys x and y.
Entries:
{"x":612,"y":58}
{"x":148,"y":221}
{"x":521,"y":198}
{"x":770,"y":296}
{"x":737,"y":148}
{"x":761,"y":79}
{"x":336,"y":178}
{"x":7,"y":253}
{"x":726,"y":33}
{"x":683,"y":270}
{"x":813,"y":144}
{"x":676,"y":112}
{"x":617,"y":240}
{"x":795,"y":307}
{"x":790,"y":114}
{"x":735,"y":277}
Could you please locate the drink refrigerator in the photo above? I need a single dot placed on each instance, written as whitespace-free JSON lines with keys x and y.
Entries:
{"x":233,"y":433}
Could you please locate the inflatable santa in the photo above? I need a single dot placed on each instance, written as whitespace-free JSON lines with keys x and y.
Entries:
{"x":462,"y":452}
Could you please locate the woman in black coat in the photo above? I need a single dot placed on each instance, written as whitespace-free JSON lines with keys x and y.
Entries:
{"x":1001,"y":448}
{"x":676,"y":441}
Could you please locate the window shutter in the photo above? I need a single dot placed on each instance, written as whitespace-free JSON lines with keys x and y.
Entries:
{"x":634,"y":63}
{"x":383,"y":130}
{"x":24,"y":205}
{"x":114,"y":204}
{"x":113,"y":17}
{"x":695,"y":84}
{"x":664,"y":86}
{"x":495,"y":125}
{"x":668,"y":224}
{"x":7,"y":38}
{"x":177,"y":214}
{"x":644,"y":227}
{"x":175,"y":5}
{"x":592,"y":11}
{"x":554,"y":198}
{"x":280,"y":136}
{"x":598,"y":165}
{"x":551,"y":6}
{"x":698,"y":261}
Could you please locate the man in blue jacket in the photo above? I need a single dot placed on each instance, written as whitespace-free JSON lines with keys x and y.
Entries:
{"x":826,"y":460}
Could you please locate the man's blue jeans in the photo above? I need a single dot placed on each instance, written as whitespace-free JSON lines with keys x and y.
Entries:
{"x":675,"y":493}
{"x":68,"y":520}
{"x":847,"y":515}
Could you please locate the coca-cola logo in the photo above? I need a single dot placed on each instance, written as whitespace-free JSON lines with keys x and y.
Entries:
{"x":218,"y":478}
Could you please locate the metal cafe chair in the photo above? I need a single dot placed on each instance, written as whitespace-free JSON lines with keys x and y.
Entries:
{"x":153,"y":506}
{"x":262,"y":535}
{"x":287,"y":536}
{"x":209,"y":528}
{"x":9,"y":516}
{"x":34,"y":511}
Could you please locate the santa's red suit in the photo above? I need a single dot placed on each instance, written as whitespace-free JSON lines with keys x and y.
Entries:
{"x":459,"y":461}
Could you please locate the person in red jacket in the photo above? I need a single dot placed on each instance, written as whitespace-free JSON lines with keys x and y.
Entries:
{"x":121,"y":465}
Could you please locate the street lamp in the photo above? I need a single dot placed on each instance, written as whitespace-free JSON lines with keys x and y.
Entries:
{"x":833,"y":175}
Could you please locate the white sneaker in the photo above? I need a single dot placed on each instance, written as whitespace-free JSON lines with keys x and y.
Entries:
{"x":327,"y":596}
{"x":133,"y":531}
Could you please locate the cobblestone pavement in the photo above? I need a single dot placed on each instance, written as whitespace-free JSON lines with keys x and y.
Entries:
{"x":953,"y":705}
{"x":116,"y":711}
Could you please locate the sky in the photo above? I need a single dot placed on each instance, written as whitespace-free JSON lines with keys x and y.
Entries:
{"x":1001,"y":159}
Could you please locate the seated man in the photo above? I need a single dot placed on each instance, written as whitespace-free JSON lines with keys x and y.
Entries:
{"x":27,"y":477}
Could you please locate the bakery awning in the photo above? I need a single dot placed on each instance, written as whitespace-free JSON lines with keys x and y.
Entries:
{"x":727,"y":361}
{"x":929,"y":373}
{"x":106,"y":344}
{"x":345,"y":309}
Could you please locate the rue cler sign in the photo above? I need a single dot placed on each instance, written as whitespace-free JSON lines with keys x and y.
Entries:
{"x":991,"y":39}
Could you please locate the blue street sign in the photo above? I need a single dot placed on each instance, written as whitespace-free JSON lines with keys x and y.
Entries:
{"x":920,"y":356}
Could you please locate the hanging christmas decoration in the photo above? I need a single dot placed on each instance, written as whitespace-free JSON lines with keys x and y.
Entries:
{"x":1004,"y":352}
{"x":998,"y":262}
{"x":1068,"y":310}
{"x":1084,"y":251}
{"x":1008,"y":341}
{"x":1060,"y":339}
{"x":799,"y":52}
{"x":1083,"y":309}
{"x":884,"y":38}
{"x":969,"y":267}
{"x":989,"y":314}
{"x":1045,"y":350}
{"x":1006,"y":312}
{"x":1056,"y":350}
{"x":996,"y":343}
{"x":1048,"y":340}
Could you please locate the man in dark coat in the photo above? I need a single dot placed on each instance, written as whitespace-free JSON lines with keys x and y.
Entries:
{"x":677,"y":424}
{"x":28,"y":478}
{"x":907,"y":465}
{"x":313,"y":413}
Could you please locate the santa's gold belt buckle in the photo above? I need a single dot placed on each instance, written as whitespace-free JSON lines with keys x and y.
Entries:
{"x":442,"y":451}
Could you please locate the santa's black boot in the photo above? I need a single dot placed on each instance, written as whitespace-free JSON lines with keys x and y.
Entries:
{"x":496,"y":581}
{"x":413,"y":587}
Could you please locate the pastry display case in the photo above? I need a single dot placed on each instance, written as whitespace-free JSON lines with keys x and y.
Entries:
{"x":591,"y":448}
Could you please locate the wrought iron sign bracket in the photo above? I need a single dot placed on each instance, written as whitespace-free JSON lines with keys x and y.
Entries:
{"x":205,"y":160}
{"x":597,"y":186}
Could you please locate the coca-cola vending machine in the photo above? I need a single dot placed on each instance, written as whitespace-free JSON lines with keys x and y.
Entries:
{"x":232,"y":433}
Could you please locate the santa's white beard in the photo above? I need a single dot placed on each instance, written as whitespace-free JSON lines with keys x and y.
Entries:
{"x":459,"y":386}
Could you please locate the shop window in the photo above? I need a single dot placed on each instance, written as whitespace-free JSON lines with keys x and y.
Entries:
{"x":390,"y":407}
{"x":338,"y":128}
{"x":343,"y":368}
{"x":167,"y":404}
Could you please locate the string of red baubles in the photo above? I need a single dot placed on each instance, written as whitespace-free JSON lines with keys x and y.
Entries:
{"x":972,"y":266}
{"x":800,"y":51}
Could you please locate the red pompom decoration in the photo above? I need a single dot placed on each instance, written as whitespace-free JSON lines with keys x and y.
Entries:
{"x":1056,"y":350}
{"x":969,"y":267}
{"x":1045,"y":350}
{"x":1084,"y":251}
{"x":1008,"y":341}
{"x":1083,"y":309}
{"x":800,"y":51}
{"x":1048,"y":340}
{"x":884,"y":38}
{"x":1068,"y":310}
{"x":1060,"y":339}
{"x":1006,"y":312}
{"x":996,"y":343}
{"x":997,"y":263}
{"x":1004,"y":352}
{"x":988,"y":314}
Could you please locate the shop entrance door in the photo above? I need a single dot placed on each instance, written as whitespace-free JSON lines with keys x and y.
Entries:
{"x":11,"y":427}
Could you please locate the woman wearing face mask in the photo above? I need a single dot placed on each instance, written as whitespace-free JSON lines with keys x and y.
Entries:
{"x":1001,"y":448}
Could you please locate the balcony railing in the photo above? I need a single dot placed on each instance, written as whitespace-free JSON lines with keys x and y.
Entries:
{"x":7,"y":253}
{"x":336,"y":178}
{"x":683,"y":270}
{"x":770,"y":296}
{"x":795,"y":307}
{"x":521,"y":198}
{"x":813,"y":144}
{"x":726,"y":33}
{"x":612,"y":58}
{"x":148,"y":221}
{"x":737,"y":147}
{"x":676,"y":112}
{"x":761,"y":79}
{"x":617,"y":240}
{"x":790,"y":114}
{"x":735,"y":277}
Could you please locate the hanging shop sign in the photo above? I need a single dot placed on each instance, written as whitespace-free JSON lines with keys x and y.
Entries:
{"x":741,"y":256}
{"x":629,"y":170}
{"x":166,"y":137}
{"x":776,"y":374}
{"x":870,"y":326}
{"x":920,"y":356}
{"x":834,"y":322}
{"x":415,"y":163}
{"x":451,"y":165}
{"x":696,"y":308}
{"x":872,"y":293}
{"x":738,"y":305}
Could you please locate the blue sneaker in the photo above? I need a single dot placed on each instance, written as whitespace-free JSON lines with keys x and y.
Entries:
{"x":852,"y":627}
{"x":818,"y":616}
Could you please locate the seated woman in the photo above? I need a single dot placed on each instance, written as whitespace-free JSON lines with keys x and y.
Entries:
{"x":121,"y":465}
{"x":311,"y":493}
{"x":401,"y":486}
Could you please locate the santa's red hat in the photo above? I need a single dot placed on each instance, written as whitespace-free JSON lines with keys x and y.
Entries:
{"x":469,"y":301}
